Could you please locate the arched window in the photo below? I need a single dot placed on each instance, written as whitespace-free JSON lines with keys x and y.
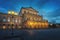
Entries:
{"x":16,"y":20}
{"x":19,"y":21}
{"x":13,"y":20}
{"x":24,"y":11}
{"x":4,"y":19}
{"x":8,"y":19}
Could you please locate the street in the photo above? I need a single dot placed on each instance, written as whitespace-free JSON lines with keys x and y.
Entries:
{"x":40,"y":34}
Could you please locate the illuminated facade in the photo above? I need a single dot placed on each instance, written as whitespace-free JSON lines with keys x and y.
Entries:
{"x":27,"y":18}
{"x":10,"y":21}
{"x":31,"y":19}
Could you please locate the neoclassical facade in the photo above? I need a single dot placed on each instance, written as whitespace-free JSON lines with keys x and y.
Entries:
{"x":8,"y":21}
{"x":31,"y":18}
{"x":27,"y":18}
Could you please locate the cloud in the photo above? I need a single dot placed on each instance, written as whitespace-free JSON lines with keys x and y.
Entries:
{"x":54,"y":13}
{"x":3,"y":10}
{"x":40,"y":3}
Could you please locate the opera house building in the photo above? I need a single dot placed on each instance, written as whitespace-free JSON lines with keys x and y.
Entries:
{"x":27,"y":18}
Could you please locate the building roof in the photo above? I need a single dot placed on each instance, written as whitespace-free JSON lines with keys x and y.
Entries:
{"x":29,"y":8}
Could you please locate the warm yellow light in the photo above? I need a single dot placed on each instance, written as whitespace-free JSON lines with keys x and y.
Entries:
{"x":4,"y":27}
{"x":16,"y":13}
{"x":9,"y":12}
{"x":11,"y":23}
{"x":30,"y":23}
{"x":13,"y":12}
{"x":46,"y":25}
{"x":35,"y":23}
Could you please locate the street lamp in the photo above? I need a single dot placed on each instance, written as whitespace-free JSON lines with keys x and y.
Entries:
{"x":9,"y":12}
{"x":12,"y":13}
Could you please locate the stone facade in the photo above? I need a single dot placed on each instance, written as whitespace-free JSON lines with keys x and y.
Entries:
{"x":10,"y":21}
{"x":31,"y":16}
{"x":27,"y":18}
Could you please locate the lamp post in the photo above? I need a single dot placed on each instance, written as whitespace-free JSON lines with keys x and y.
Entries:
{"x":12,"y":26}
{"x":12,"y":13}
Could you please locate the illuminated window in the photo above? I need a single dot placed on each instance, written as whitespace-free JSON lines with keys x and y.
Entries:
{"x":19,"y":21}
{"x":4,"y":20}
{"x":8,"y":19}
{"x":16,"y":21}
{"x":13,"y":20}
{"x":4,"y":27}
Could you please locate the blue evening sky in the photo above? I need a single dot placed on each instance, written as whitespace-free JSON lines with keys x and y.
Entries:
{"x":49,"y":9}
